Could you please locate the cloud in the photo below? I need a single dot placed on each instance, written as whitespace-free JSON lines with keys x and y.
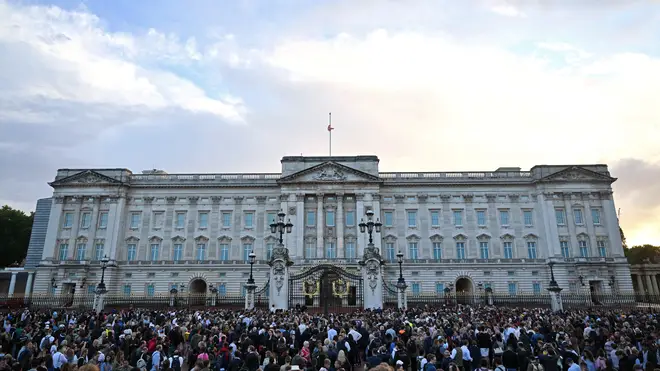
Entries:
{"x":507,"y":10}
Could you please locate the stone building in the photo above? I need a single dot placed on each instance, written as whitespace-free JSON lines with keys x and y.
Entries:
{"x":465,"y":231}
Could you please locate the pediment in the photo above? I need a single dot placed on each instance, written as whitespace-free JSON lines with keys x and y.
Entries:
{"x":577,"y":174}
{"x":330,"y":172}
{"x":85,"y":178}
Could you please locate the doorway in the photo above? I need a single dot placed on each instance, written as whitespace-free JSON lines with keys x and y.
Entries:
{"x":197,"y":292}
{"x":596,"y":291}
{"x":68,"y":293}
{"x":464,"y":290}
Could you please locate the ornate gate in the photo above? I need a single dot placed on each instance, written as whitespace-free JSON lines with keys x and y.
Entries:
{"x":326,"y":288}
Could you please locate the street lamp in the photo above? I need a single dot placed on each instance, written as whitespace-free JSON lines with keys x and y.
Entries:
{"x":612,"y":281}
{"x":280,"y":226}
{"x":399,"y":258}
{"x":553,"y":283}
{"x":252,"y":257}
{"x":100,"y":288}
{"x":370,"y":225}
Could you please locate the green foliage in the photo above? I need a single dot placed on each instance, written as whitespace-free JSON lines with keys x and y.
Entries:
{"x":623,"y":239}
{"x":15,"y":229}
{"x":639,"y":254}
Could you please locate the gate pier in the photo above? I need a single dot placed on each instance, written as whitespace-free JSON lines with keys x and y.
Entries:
{"x":279,"y":273}
{"x":372,"y":274}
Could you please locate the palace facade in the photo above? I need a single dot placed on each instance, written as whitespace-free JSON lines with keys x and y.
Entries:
{"x":465,"y":231}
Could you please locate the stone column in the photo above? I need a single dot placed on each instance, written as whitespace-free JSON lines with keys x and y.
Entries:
{"x":320,"y":241}
{"x":279,"y":276}
{"x":549,"y":225}
{"x":339,"y":222}
{"x":612,"y":224}
{"x":54,"y":226}
{"x":640,"y":283}
{"x":654,"y":283}
{"x":249,"y":295}
{"x":12,"y":284}
{"x":372,"y":276}
{"x":299,"y":225}
{"x":28,"y":286}
{"x":649,"y":285}
{"x":362,"y":238}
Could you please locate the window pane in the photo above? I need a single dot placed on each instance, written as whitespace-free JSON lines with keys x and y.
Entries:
{"x":350,"y":218}
{"x":458,"y":218}
{"x":226,"y":220}
{"x":504,"y":217}
{"x":481,"y":217}
{"x":249,"y":220}
{"x":577,"y":213}
{"x":330,"y":218}
{"x":388,"y":218}
{"x":412,"y":218}
{"x":435,"y":218}
{"x":595,"y":216}
{"x":311,"y":218}
{"x":559,"y":215}
{"x":527,"y":214}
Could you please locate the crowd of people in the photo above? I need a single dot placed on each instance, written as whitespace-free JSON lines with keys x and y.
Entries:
{"x":463,"y":338}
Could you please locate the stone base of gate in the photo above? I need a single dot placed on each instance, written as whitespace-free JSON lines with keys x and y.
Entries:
{"x":373,"y":284}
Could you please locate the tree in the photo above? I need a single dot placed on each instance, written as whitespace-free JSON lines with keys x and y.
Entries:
{"x":623,"y":239}
{"x":639,"y":254}
{"x":15,"y":230}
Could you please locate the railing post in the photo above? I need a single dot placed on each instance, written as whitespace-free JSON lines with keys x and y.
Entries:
{"x":249,"y":295}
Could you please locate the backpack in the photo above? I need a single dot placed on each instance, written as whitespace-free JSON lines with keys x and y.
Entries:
{"x":176,"y":363}
{"x":458,"y":359}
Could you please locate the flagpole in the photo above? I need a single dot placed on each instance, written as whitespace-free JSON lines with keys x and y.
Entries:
{"x":330,"y":133}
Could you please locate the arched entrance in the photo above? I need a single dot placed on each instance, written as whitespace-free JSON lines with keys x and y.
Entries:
{"x":464,"y":290}
{"x":197,"y":292}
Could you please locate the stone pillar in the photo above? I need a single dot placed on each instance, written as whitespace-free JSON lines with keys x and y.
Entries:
{"x":249,"y":295}
{"x":172,"y":297}
{"x":339,"y":222}
{"x":402,"y":299}
{"x":12,"y":284}
{"x":99,"y":302}
{"x":279,"y":276}
{"x":372,"y":278}
{"x":640,"y":284}
{"x":555,"y":299}
{"x":28,"y":286}
{"x":654,"y":283}
{"x":320,"y":241}
{"x":612,"y":224}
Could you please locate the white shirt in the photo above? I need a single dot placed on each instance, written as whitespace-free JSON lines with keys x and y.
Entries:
{"x":59,"y":359}
{"x":180,"y":361}
{"x":332,"y":333}
{"x":356,"y":335}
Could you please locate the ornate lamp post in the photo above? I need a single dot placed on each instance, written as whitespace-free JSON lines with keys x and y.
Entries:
{"x":251,"y":286}
{"x":100,"y":288}
{"x":280,"y":227}
{"x":401,"y":283}
{"x":279,"y":263}
{"x":252,"y":257}
{"x":173,"y":292}
{"x":370,"y":225}
{"x":214,"y":295}
{"x":555,"y":290}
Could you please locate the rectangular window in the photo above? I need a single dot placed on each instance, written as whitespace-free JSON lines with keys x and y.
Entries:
{"x":98,"y":251}
{"x":226,"y":220}
{"x":91,"y":290}
{"x":159,"y":219}
{"x":415,"y":288}
{"x":127,"y":290}
{"x":460,"y":250}
{"x":504,"y":217}
{"x":247,"y":249}
{"x":81,"y":251}
{"x":560,"y":216}
{"x":135,"y":220}
{"x":330,"y":250}
{"x":391,"y":254}
{"x":528,"y":218}
{"x":602,"y":252}
{"x":180,"y":220}
{"x":531,"y":249}
{"x":201,"y":251}
{"x":177,"y":252}
{"x":437,"y":250}
{"x":64,"y":251}
{"x":508,"y":250}
{"x":435,"y":218}
{"x":311,"y":218}
{"x":412,"y":250}
{"x":536,"y":287}
{"x":481,"y":217}
{"x":439,"y":288}
{"x":310,"y":250}
{"x":68,"y":220}
{"x":249,"y":220}
{"x":85,"y":220}
{"x":577,"y":215}
{"x":330,"y":218}
{"x":565,"y":250}
{"x":222,"y":289}
{"x":350,"y":250}
{"x":412,"y":219}
{"x":151,"y":290}
{"x":270,"y":219}
{"x":458,"y":218}
{"x":269,"y":250}
{"x":388,"y":218}
{"x":350,"y":218}
{"x":103,"y":220}
{"x":154,"y":252}
{"x":224,"y":252}
{"x":483,"y":249}
{"x":131,"y":252}
{"x":203,"y":220}
{"x":584,"y":249}
{"x":513,"y":288}
{"x":595,"y":216}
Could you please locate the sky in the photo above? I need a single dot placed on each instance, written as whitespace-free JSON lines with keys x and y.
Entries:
{"x":232,"y":86}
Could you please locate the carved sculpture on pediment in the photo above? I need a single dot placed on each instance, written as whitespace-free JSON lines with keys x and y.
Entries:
{"x":216,"y":199}
{"x":88,"y":178}
{"x":193,"y":199}
{"x":328,"y":174}
{"x":148,"y":199}
{"x":292,"y":210}
{"x":170,"y":199}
